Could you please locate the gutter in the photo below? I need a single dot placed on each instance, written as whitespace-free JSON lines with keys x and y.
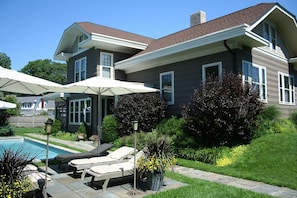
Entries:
{"x":233,"y":54}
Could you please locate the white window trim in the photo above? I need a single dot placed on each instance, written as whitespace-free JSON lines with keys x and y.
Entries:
{"x":79,"y":113}
{"x":270,"y":26}
{"x":260,"y":79}
{"x":172,"y":82}
{"x":283,"y":89}
{"x":102,"y":66}
{"x":219,"y":64}
{"x":79,"y":60}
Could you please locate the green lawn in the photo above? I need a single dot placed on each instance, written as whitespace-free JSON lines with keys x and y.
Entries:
{"x":201,"y":189}
{"x":271,"y":159}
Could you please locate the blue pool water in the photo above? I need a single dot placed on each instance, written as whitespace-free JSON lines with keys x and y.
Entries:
{"x":31,"y":148}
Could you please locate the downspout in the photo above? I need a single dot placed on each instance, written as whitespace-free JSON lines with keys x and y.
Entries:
{"x":233,"y":54}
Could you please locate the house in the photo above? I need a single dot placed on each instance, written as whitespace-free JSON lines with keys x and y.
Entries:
{"x":36,"y":105}
{"x":259,"y":42}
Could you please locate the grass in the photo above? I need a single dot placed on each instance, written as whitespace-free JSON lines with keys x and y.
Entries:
{"x":199,"y":188}
{"x":271,"y":159}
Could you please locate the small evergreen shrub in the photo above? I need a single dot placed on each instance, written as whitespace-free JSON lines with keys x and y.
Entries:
{"x":222,"y":112}
{"x":174,"y":127}
{"x":82,"y":129}
{"x":109,"y":129}
{"x":148,"y":109}
{"x":56,"y":126}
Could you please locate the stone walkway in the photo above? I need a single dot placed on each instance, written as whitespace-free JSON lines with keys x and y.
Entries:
{"x":65,"y":184}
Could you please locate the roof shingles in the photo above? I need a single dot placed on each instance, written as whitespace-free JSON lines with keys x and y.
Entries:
{"x":249,"y":16}
{"x":100,"y":29}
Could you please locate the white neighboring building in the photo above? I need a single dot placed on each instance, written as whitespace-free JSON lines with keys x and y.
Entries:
{"x":35,"y":105}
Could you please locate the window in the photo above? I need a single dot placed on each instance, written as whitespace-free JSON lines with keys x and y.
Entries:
{"x":255,"y":76}
{"x":80,"y":111}
{"x":286,"y":89}
{"x":212,"y":69}
{"x":167,"y":87}
{"x":80,"y":69}
{"x":270,"y":35}
{"x":106,"y":65}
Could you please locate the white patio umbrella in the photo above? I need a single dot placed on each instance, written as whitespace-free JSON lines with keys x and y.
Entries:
{"x":7,"y":105}
{"x":105,"y":87}
{"x":17,"y":82}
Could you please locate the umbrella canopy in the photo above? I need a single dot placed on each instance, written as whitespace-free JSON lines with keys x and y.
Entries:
{"x":7,"y":105}
{"x":105,"y":87}
{"x":17,"y":82}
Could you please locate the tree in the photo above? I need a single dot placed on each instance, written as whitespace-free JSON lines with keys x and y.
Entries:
{"x":222,"y":112}
{"x":5,"y":61}
{"x":47,"y":69}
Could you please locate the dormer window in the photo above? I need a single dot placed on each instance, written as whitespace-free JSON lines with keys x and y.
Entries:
{"x":270,"y":35}
{"x":81,"y":38}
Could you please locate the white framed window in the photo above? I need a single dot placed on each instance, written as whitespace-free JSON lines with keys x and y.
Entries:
{"x":270,"y":35}
{"x":167,"y":87}
{"x":286,"y":89}
{"x":106,"y":65}
{"x":212,"y":70}
{"x":255,"y":76}
{"x":80,"y":111}
{"x":80,"y":69}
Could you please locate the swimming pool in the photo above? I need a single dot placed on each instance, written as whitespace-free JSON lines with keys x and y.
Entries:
{"x":33,"y":148}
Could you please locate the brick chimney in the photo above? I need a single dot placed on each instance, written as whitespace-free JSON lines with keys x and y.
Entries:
{"x":198,"y":18}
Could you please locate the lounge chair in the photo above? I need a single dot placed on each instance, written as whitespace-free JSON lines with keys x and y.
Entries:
{"x":107,"y":172}
{"x":99,"y":151}
{"x":113,"y":157}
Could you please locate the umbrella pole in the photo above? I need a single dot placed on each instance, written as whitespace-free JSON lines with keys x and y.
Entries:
{"x":99,"y":127}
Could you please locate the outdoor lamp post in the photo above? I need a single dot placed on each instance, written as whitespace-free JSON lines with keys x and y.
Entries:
{"x":135,"y":128}
{"x":48,"y":129}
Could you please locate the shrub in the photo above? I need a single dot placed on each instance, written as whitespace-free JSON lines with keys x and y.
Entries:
{"x":56,"y":126}
{"x":109,"y":129}
{"x":128,"y":140}
{"x":82,"y":129}
{"x":174,"y":127}
{"x":293,"y":117}
{"x":148,"y":109}
{"x":222,"y":111}
{"x":206,"y":155}
{"x":228,"y":156}
{"x":265,"y":121}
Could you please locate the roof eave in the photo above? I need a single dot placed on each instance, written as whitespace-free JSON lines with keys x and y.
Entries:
{"x":129,"y":65}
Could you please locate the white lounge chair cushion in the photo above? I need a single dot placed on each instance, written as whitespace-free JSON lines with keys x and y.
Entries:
{"x":114,"y":168}
{"x":101,"y":160}
{"x":121,"y":152}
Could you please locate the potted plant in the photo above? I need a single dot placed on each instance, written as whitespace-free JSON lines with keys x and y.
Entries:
{"x":158,"y":157}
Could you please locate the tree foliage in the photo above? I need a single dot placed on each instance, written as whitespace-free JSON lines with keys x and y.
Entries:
{"x":47,"y":69}
{"x":5,"y":61}
{"x":221,"y":112}
{"x":148,"y":109}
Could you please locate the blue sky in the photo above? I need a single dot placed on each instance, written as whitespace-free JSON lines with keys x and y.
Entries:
{"x":32,"y":29}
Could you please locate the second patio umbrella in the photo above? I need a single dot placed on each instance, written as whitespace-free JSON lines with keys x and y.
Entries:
{"x":17,"y":82}
{"x":105,"y":87}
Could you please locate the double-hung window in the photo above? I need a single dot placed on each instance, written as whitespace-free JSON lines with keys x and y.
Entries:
{"x":255,"y":76}
{"x":212,"y":70}
{"x":80,"y":111}
{"x":80,"y":69}
{"x":106,"y":65}
{"x":167,"y":87}
{"x":270,"y":35}
{"x":286,"y":89}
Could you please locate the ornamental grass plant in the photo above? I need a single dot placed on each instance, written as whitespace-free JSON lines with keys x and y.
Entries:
{"x":158,"y":154}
